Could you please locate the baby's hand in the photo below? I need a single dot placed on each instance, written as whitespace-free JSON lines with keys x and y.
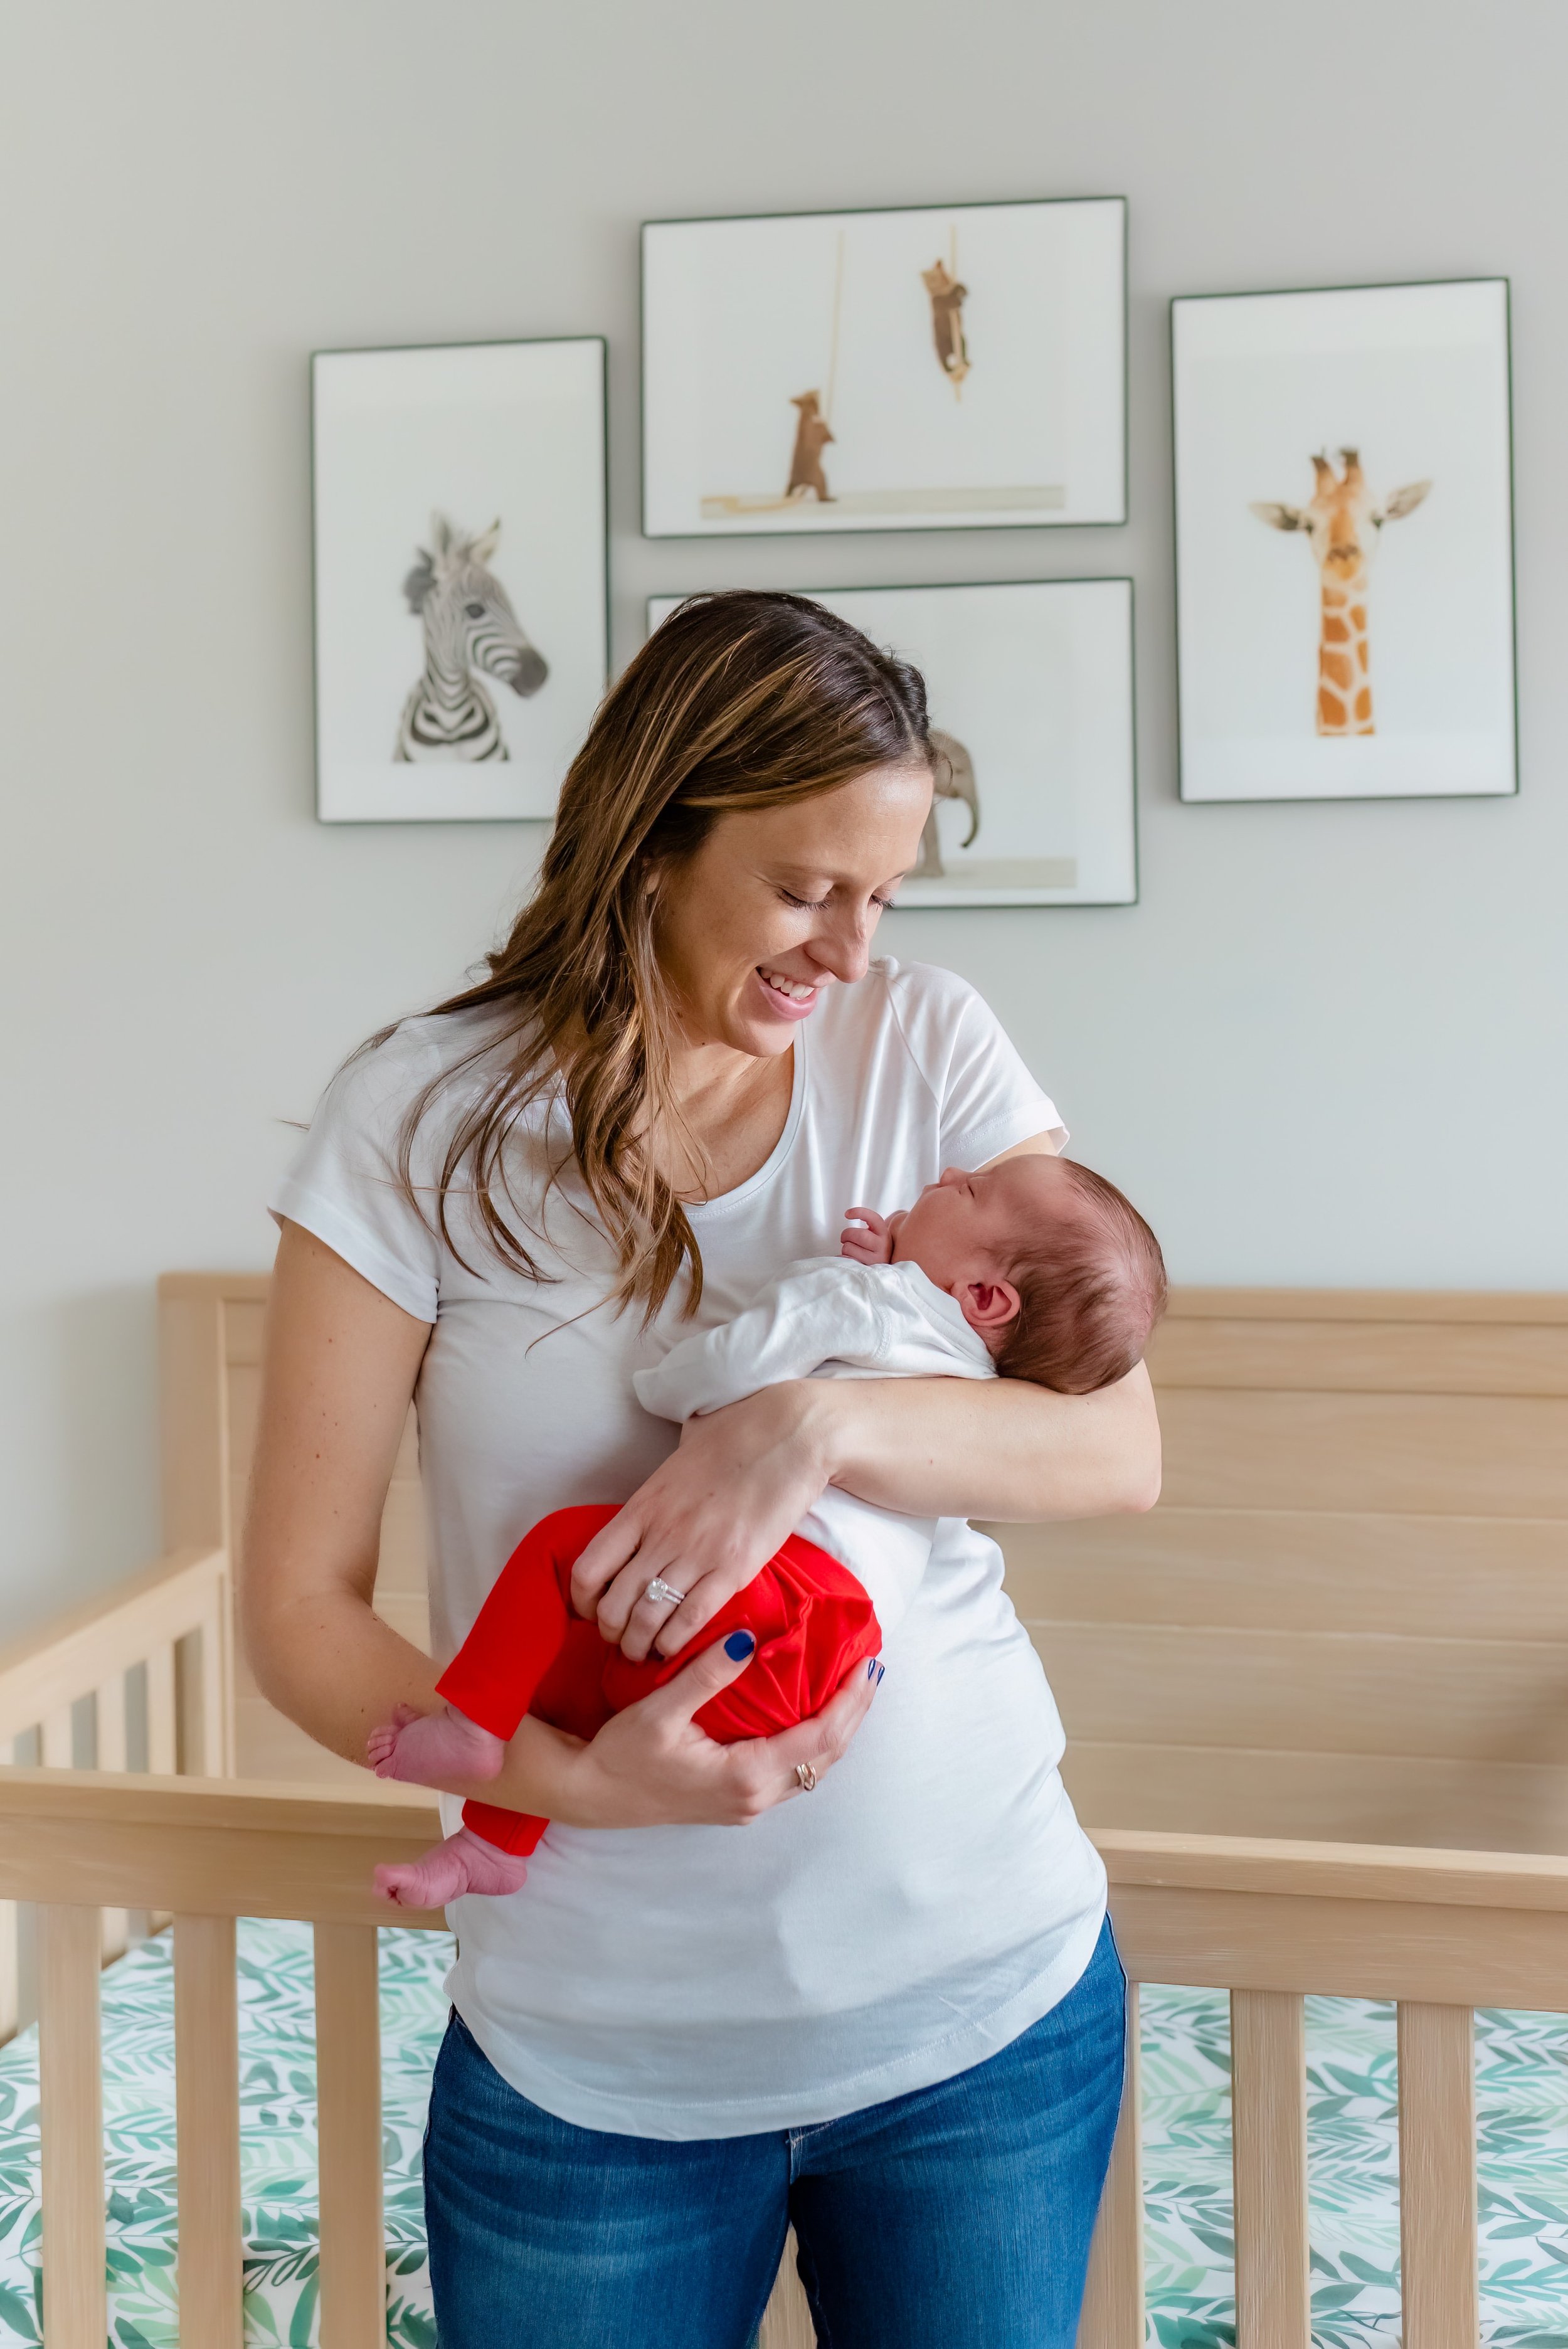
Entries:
{"x":868,"y":1237}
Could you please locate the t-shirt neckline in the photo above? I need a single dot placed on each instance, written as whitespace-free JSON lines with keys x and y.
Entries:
{"x":701,"y":1211}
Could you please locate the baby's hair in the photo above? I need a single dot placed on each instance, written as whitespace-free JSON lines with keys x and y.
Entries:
{"x":1090,"y":1288}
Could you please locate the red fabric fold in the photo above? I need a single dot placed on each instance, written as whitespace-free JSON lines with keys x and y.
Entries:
{"x":528,"y":1652}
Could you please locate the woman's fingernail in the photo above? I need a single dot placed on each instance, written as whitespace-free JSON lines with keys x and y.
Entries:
{"x":871,"y":1669}
{"x":881,"y":1668}
{"x":739,"y":1644}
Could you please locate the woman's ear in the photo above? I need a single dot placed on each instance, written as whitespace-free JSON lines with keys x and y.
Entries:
{"x":986,"y":1305}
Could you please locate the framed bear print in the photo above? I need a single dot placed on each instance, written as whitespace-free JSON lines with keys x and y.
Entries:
{"x":1030,"y":687}
{"x":927,"y":368}
{"x":1345,"y":543}
{"x":461,"y":638}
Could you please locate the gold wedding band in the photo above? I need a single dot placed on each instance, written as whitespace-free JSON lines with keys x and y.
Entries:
{"x":805,"y":1778}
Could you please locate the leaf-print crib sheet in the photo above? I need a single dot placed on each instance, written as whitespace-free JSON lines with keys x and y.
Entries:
{"x":1353,"y":2155}
{"x":277,"y":2150}
{"x":1522,"y":2071}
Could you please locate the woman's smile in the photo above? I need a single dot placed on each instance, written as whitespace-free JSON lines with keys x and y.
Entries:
{"x":789,"y":998}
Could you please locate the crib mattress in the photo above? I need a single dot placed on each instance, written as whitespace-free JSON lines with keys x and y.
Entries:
{"x":1521,"y":2092}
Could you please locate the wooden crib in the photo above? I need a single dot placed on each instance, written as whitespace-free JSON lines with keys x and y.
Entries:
{"x":1349,"y":1619}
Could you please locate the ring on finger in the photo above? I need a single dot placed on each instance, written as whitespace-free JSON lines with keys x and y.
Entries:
{"x":805,"y":1778}
{"x":663,"y":1594}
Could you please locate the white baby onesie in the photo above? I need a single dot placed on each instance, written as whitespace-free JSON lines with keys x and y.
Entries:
{"x":829,"y":1318}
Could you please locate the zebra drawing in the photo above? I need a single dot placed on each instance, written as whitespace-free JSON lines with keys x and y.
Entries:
{"x":470,"y":626}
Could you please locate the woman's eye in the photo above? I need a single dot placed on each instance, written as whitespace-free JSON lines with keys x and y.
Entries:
{"x":806,"y":905}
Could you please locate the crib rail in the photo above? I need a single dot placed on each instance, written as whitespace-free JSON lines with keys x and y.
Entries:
{"x":169,"y":1626}
{"x":1439,"y":1933}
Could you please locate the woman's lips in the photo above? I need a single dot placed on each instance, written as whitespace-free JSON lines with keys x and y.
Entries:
{"x":784,"y":1004}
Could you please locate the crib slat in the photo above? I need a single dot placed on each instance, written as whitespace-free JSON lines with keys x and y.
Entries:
{"x":162,"y":1749}
{"x":349,"y":2110}
{"x":210,"y":2271}
{"x":210,"y":1644}
{"x":1437,"y":2174}
{"x":1268,"y":2126}
{"x":71,"y":2114}
{"x":55,"y":1744}
{"x":1113,"y":2296}
{"x":112,"y":1752}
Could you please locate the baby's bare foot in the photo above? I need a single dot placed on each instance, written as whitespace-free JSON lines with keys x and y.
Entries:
{"x":464,"y":1863}
{"x":426,"y":1747}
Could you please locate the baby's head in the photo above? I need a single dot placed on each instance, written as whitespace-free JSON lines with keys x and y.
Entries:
{"x":1059,"y":1273}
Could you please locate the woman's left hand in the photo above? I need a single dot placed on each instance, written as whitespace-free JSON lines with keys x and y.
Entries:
{"x":709,"y":1518}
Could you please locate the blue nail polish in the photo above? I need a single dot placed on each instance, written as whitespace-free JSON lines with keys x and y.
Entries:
{"x":739,"y":1644}
{"x":871,"y":1669}
{"x":881,"y":1668}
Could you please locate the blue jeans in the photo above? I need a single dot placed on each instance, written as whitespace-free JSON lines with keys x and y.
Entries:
{"x":958,"y":2217}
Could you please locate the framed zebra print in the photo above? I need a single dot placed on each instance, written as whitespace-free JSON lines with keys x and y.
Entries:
{"x":461,"y":577}
{"x":955,"y":367}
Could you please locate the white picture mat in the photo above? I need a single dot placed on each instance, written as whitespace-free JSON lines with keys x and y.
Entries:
{"x":737,"y":317}
{"x":475,"y":431}
{"x":1417,"y":379}
{"x":1036,"y":680}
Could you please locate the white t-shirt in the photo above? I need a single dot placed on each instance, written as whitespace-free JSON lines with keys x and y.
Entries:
{"x":935,"y":1896}
{"x":831,"y":1318}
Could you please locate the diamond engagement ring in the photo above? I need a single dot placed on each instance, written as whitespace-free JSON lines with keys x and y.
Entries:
{"x":806,"y":1778}
{"x":663,"y":1594}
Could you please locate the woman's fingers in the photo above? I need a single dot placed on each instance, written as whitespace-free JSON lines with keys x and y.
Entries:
{"x":604,"y":1558}
{"x":825,"y":1738}
{"x":702,"y":1678}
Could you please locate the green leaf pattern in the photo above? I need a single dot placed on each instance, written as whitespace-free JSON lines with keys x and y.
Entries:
{"x":1521,"y":2062}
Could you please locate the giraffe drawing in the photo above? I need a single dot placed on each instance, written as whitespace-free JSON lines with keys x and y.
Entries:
{"x":1343,"y":522}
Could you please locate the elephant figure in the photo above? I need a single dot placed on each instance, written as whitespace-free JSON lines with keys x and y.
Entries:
{"x":954,"y":771}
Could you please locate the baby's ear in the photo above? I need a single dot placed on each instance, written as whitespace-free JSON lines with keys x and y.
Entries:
{"x":987,"y":1305}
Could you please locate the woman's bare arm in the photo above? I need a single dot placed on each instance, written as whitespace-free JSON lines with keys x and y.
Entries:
{"x":341,"y":1363}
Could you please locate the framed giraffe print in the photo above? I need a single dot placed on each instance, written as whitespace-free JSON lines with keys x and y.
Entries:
{"x":937,"y":367}
{"x":1345,"y":543}
{"x":1030,"y":690}
{"x":462,"y":636}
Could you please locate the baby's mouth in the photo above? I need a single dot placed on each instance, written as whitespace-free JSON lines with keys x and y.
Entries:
{"x":798,"y":993}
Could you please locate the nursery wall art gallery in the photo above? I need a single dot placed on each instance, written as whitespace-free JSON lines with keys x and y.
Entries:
{"x":784,"y":1359}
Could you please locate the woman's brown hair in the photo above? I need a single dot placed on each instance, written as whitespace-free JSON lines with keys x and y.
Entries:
{"x":737,"y":700}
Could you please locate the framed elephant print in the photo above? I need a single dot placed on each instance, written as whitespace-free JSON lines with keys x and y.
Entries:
{"x":1345,"y":543}
{"x":937,"y":368}
{"x":1030,"y":690}
{"x":461,"y":636}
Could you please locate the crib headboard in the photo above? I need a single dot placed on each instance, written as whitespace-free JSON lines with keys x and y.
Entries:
{"x":1346,"y":1620}
{"x":210,"y":1327}
{"x":1348,"y":1617}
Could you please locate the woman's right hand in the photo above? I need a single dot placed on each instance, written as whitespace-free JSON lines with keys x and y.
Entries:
{"x":651,"y":1765}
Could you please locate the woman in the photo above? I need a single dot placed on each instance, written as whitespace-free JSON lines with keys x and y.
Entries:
{"x":890,"y":2013}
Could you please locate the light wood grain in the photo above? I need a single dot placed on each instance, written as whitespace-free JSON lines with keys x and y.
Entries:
{"x":1268,"y":2133}
{"x":1361,"y":1798}
{"x":211,"y":2270}
{"x":1287,"y":1570}
{"x":1362,"y":1357}
{"x":71,"y":2115}
{"x":10,"y":1970}
{"x":1506,"y":1305}
{"x":55,"y":1738}
{"x":54,"y":1666}
{"x":1437,"y":2176}
{"x":162,"y":1712}
{"x":787,"y":2319}
{"x":1113,"y":2314}
{"x":209,"y":1845}
{"x":1323,"y":1692}
{"x":111,"y":1751}
{"x":1466,"y":1455}
{"x":348,"y":2109}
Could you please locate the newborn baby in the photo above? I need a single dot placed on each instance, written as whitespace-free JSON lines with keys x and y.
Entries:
{"x":1036,"y":1269}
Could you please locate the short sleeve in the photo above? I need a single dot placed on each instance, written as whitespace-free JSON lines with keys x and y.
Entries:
{"x":344,"y":1185}
{"x":986,"y":1099}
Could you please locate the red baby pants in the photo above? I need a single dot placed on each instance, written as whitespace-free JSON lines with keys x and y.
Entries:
{"x":528,"y":1652}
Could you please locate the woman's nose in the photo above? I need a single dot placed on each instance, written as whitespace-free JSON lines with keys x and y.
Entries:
{"x":846,"y":953}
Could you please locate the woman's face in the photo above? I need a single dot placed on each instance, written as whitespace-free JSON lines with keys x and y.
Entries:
{"x":779,"y":903}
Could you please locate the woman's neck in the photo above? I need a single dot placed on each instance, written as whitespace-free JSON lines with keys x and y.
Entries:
{"x":731,"y":1110}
